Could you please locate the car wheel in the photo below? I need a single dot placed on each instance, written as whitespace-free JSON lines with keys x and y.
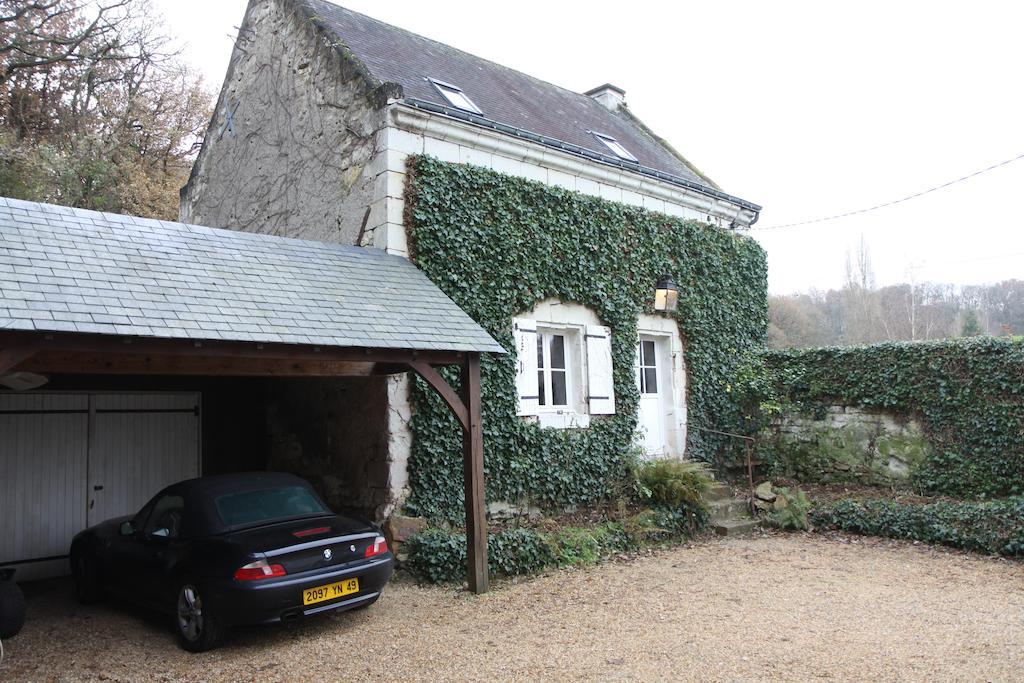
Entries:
{"x":198,"y":628}
{"x":88,"y":588}
{"x":12,"y":609}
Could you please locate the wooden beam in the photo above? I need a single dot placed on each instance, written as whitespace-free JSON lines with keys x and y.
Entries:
{"x":445,"y":391}
{"x":143,"y":364}
{"x":100,"y":343}
{"x":12,"y":356}
{"x":473,"y":478}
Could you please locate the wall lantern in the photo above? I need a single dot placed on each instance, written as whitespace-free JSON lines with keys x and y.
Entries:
{"x":666,"y":295}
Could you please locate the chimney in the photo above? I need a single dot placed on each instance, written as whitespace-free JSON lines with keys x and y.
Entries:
{"x":609,"y":95}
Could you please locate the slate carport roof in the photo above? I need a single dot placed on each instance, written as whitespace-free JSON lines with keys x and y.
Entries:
{"x":72,"y":270}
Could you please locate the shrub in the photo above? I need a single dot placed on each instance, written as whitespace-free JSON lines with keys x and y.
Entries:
{"x":793,"y":515}
{"x":518,"y":551}
{"x":437,"y":555}
{"x":673,"y":483}
{"x":576,"y":546}
{"x":992,"y":527}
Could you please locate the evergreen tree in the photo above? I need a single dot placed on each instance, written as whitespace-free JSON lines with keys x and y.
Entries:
{"x":970,"y":327}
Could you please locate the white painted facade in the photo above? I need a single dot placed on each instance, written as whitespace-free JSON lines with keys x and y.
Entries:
{"x":412,"y":131}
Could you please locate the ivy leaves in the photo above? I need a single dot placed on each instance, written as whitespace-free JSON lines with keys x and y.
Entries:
{"x":498,"y":245}
{"x":969,"y":393}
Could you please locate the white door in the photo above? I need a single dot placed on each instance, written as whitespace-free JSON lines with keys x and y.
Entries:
{"x":651,"y":375}
{"x":43,"y":441}
{"x":68,"y":461}
{"x":139,"y":443}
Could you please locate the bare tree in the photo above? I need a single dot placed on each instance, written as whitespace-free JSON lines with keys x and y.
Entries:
{"x":97,"y":111}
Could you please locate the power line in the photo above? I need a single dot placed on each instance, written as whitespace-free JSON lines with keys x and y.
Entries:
{"x":893,"y":202}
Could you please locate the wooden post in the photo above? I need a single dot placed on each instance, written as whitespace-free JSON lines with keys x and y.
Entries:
{"x":473,"y":476}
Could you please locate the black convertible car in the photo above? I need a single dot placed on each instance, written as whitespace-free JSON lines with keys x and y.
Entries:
{"x":233,"y":549}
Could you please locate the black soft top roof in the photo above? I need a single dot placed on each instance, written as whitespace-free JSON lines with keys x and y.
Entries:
{"x":200,"y":494}
{"x":217,"y":484}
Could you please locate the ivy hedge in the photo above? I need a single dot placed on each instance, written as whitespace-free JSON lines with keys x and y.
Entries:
{"x":968,"y":393}
{"x":498,"y":245}
{"x":993,"y":527}
{"x":439,"y":555}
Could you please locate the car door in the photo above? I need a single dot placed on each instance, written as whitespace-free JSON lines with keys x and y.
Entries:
{"x":160,"y":545}
{"x":133,"y":563}
{"x":119,"y":559}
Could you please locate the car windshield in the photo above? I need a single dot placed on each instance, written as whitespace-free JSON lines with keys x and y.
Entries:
{"x":266,"y":505}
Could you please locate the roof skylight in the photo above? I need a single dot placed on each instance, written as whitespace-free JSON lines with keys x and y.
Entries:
{"x":613,"y":145}
{"x":455,"y":96}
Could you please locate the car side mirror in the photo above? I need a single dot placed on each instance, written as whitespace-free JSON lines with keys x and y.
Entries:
{"x":127,"y":528}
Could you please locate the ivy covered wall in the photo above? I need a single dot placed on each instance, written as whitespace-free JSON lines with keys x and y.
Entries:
{"x":498,"y":245}
{"x":968,"y":394}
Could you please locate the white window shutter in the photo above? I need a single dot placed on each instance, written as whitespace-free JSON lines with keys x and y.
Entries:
{"x":600,"y":384}
{"x":525,"y":332}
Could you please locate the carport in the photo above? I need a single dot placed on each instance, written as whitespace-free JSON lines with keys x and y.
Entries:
{"x":96,"y":294}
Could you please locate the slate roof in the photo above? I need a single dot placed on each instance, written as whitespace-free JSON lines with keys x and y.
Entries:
{"x":506,"y":96}
{"x":72,"y":270}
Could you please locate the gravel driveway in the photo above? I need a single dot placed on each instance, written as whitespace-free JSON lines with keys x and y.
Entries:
{"x":776,"y":607}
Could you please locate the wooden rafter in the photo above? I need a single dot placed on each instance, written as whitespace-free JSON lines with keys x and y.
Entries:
{"x":96,"y":343}
{"x":11,"y":357}
{"x":444,"y":390}
{"x":70,"y":362}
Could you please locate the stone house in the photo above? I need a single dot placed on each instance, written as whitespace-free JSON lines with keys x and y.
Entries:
{"x":320,"y":109}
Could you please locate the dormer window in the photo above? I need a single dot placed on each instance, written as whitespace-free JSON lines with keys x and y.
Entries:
{"x":455,"y":96}
{"x":613,"y":145}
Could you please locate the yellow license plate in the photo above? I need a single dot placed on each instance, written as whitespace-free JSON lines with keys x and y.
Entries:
{"x":330,"y":591}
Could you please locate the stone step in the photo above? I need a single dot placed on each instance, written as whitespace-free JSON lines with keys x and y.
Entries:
{"x":718,"y":491}
{"x":728,"y":508}
{"x":735,"y":527}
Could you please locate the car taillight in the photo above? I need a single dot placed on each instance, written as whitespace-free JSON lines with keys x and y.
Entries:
{"x":378,"y":547}
{"x":261,"y":569}
{"x":311,"y":532}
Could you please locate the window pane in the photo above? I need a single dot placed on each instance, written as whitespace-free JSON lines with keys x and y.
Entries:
{"x":253,"y":507}
{"x":557,"y":351}
{"x":558,"y":388}
{"x":540,"y":350}
{"x":541,"y":400}
{"x":165,"y":519}
{"x":648,"y":351}
{"x":650,"y":380}
{"x":457,"y":98}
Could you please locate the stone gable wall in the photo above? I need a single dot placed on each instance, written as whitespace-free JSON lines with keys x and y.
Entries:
{"x":289,"y":149}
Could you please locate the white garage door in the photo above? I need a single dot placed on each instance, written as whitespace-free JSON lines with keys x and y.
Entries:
{"x":68,"y":461}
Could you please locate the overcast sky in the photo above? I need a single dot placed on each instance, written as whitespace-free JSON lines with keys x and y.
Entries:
{"x":808,"y":108}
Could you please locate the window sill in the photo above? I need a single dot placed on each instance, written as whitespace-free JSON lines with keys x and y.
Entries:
{"x":562,"y":419}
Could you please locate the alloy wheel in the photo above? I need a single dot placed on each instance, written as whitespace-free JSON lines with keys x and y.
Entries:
{"x":190,"y":613}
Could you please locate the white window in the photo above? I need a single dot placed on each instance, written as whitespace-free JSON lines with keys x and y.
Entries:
{"x":553,"y":376}
{"x":564,"y":366}
{"x":648,"y":369}
{"x":455,"y":96}
{"x":614,"y":146}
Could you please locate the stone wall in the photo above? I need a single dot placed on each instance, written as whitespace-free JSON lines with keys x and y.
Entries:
{"x":289,"y":150}
{"x":334,"y":433}
{"x":846,"y":444}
